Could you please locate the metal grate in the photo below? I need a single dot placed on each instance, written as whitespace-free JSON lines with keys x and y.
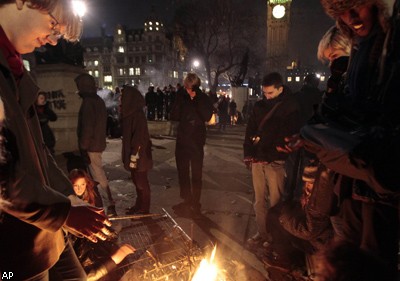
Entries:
{"x":163,"y":251}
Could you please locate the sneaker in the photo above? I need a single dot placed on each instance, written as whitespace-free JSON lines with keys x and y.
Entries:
{"x":255,"y":239}
{"x":267,"y":244}
{"x":111,"y":211}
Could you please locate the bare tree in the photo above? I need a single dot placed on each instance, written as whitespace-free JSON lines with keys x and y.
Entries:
{"x":222,"y":33}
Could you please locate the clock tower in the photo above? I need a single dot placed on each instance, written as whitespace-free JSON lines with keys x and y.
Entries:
{"x":278,"y":23}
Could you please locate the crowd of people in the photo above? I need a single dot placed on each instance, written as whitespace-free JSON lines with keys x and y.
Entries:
{"x":331,"y":142}
{"x":323,"y":163}
{"x":159,"y":105}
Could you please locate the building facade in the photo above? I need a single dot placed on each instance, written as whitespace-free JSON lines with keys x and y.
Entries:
{"x":144,"y":57}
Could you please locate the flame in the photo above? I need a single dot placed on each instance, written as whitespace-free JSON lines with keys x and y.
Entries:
{"x":207,"y":270}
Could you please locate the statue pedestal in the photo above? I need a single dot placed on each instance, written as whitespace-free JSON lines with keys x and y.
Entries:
{"x":240,"y":95}
{"x":57,"y":80}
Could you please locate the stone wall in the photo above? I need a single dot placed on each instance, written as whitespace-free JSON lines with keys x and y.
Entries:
{"x":57,"y":80}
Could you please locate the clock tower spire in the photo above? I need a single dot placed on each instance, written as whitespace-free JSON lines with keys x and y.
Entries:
{"x":278,"y":23}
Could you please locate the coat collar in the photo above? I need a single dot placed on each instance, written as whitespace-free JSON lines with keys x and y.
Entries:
{"x":11,"y":89}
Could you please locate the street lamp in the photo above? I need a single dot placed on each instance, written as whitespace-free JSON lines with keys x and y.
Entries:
{"x":79,"y":8}
{"x":196,"y":63}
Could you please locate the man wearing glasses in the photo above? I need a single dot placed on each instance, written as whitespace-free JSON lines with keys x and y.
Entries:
{"x":38,"y":195}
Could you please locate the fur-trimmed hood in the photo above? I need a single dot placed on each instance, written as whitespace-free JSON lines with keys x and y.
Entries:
{"x":334,"y":8}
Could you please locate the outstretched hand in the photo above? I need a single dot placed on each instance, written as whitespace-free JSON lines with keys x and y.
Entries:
{"x":293,"y":143}
{"x":88,"y":221}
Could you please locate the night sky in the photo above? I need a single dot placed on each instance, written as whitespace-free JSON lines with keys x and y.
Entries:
{"x":309,"y":22}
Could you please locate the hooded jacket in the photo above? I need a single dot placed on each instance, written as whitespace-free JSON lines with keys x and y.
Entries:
{"x":92,"y":118}
{"x":135,"y":133}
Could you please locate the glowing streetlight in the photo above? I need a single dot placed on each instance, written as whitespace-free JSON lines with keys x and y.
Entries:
{"x":79,"y":7}
{"x":196,"y":63}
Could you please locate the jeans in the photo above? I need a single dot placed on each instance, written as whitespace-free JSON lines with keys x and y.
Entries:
{"x":269,"y":187}
{"x":98,"y":174}
{"x":190,"y":159}
{"x":67,"y":268}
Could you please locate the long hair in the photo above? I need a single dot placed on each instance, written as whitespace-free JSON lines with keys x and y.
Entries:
{"x":89,"y":195}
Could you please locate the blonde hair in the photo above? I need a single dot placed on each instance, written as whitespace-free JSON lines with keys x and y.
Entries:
{"x":192,"y":80}
{"x":334,"y":39}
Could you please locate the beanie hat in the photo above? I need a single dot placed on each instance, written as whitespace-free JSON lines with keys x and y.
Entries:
{"x":86,"y":83}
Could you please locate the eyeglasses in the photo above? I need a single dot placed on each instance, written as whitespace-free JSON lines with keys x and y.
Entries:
{"x":54,"y":31}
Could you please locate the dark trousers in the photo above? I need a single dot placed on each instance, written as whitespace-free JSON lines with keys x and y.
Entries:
{"x":190,"y":159}
{"x":67,"y":267}
{"x":374,"y":228}
{"x":143,"y":193}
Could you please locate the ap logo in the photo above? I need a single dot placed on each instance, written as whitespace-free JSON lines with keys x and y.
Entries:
{"x":7,"y":275}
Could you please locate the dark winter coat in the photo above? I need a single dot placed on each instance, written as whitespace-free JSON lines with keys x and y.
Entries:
{"x":31,"y":231}
{"x":92,"y":123}
{"x":46,"y":114}
{"x":284,"y":122}
{"x":135,"y":133}
{"x":308,"y":98}
{"x":191,"y":115}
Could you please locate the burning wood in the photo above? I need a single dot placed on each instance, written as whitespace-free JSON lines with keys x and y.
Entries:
{"x":207,"y":270}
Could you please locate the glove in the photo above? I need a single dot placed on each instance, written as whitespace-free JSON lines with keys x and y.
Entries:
{"x":247,"y":161}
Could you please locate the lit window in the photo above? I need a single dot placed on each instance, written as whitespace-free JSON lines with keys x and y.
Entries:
{"x":119,"y":31}
{"x":137,"y":71}
{"x":157,"y":23}
{"x":121,"y":71}
{"x":90,"y":72}
{"x":322,"y":78}
{"x":289,"y":79}
{"x":156,"y":28}
{"x":150,"y":28}
{"x":108,"y":78}
{"x":96,"y":62}
{"x":96,"y":73}
{"x":150,"y":23}
{"x":297,"y":78}
{"x":131,"y":72}
{"x":175,"y":74}
{"x":121,"y":49}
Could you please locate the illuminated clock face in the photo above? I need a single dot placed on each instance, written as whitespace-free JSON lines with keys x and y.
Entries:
{"x":278,"y":11}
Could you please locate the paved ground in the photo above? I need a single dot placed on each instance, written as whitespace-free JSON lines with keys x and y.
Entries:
{"x":226,"y":199}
